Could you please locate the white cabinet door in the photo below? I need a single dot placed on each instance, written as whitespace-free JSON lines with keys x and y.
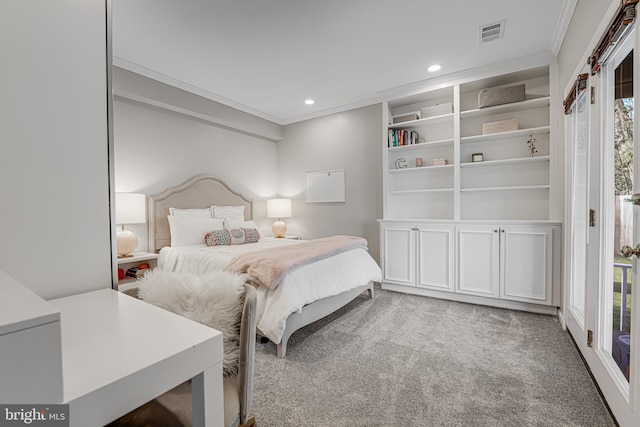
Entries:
{"x":526,"y":264}
{"x":398,"y":254}
{"x":478,"y":249}
{"x":435,"y":257}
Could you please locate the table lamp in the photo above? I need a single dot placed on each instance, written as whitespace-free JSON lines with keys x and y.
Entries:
{"x":279,"y":208}
{"x":130,"y":209}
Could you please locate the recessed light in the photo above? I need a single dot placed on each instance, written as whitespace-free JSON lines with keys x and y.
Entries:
{"x":309,"y":102}
{"x":434,"y":68}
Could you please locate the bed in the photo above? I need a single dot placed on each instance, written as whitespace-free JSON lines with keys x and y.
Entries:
{"x":307,"y":293}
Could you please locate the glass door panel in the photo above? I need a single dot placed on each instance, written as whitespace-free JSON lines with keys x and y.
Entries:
{"x":579,"y":208}
{"x":620,"y":293}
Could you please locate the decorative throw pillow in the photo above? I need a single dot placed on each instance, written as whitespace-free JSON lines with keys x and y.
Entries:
{"x":234,"y":236}
{"x":215,"y":299}
{"x":186,"y":230}
{"x":236,"y":223}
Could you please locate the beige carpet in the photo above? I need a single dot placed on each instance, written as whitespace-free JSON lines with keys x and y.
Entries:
{"x":403,"y":360}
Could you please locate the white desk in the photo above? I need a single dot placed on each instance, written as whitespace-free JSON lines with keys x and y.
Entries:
{"x":119,"y":353}
{"x":30,"y":350}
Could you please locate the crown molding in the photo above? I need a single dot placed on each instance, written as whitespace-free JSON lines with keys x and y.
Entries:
{"x":125,"y":96}
{"x":530,"y":61}
{"x":146,"y":72}
{"x":163,"y":78}
{"x":471,"y":74}
{"x":334,"y":110}
{"x":568,"y":7}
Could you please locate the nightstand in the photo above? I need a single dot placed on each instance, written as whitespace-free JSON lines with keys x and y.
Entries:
{"x":291,"y":237}
{"x":135,"y":260}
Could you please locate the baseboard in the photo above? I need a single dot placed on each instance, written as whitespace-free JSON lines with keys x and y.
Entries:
{"x":471,"y":299}
{"x":563,"y":323}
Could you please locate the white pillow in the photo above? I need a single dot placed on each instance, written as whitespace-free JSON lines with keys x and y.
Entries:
{"x":200,"y":213}
{"x":222,"y":212}
{"x":188,"y":230}
{"x":230,"y":223}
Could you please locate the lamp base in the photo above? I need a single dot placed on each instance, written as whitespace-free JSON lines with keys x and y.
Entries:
{"x":127,"y":242}
{"x":279,"y":229}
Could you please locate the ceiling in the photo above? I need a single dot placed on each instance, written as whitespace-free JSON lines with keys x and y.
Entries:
{"x":266,"y":57}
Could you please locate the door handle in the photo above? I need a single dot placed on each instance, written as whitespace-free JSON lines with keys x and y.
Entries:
{"x":628,"y":251}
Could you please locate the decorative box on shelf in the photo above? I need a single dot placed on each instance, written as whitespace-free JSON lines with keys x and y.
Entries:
{"x":500,"y":95}
{"x":501,"y":126}
{"x":436,"y":110}
{"x":406,"y":118}
{"x":441,"y":161}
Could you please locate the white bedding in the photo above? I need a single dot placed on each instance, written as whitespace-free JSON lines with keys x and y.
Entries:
{"x":304,"y":285}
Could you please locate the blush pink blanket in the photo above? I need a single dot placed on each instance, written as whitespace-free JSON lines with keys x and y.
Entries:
{"x":267,"y":267}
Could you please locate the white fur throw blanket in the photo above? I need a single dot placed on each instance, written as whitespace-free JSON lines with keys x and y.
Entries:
{"x":215,"y":299}
{"x":267,"y":267}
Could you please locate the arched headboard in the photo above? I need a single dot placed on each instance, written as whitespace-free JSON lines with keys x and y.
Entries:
{"x":201,"y":191}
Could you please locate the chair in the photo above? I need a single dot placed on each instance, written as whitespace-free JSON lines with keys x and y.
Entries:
{"x":238,"y":389}
{"x":246,"y":363}
{"x":237,"y":393}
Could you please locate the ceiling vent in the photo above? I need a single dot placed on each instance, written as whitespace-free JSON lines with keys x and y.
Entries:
{"x":491,"y":32}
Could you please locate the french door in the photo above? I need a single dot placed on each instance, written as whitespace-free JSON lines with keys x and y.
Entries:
{"x":576,"y":221}
{"x":604,"y":232}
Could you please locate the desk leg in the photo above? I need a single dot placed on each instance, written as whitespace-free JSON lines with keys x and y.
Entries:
{"x":207,"y":398}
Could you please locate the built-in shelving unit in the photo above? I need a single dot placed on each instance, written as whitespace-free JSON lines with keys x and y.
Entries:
{"x":458,"y":199}
{"x":426,"y":121}
{"x":505,"y":161}
{"x":429,"y":190}
{"x":510,"y":188}
{"x":415,"y":189}
{"x":425,"y":191}
{"x":528,"y":104}
{"x":506,"y":135}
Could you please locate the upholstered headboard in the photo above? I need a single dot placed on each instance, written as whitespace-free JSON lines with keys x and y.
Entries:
{"x":201,"y":191}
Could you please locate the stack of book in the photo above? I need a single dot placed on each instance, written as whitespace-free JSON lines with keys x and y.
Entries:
{"x":400,"y":137}
{"x":136,"y":272}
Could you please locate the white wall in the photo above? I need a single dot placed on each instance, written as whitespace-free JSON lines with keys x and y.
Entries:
{"x":55,"y":233}
{"x":164,"y":136}
{"x":350,"y":140}
{"x":132,"y":85}
{"x":156,"y":148}
{"x":582,"y":28}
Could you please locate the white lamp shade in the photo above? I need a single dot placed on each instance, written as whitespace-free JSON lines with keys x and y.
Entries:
{"x":131,"y":208}
{"x":279,"y":208}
